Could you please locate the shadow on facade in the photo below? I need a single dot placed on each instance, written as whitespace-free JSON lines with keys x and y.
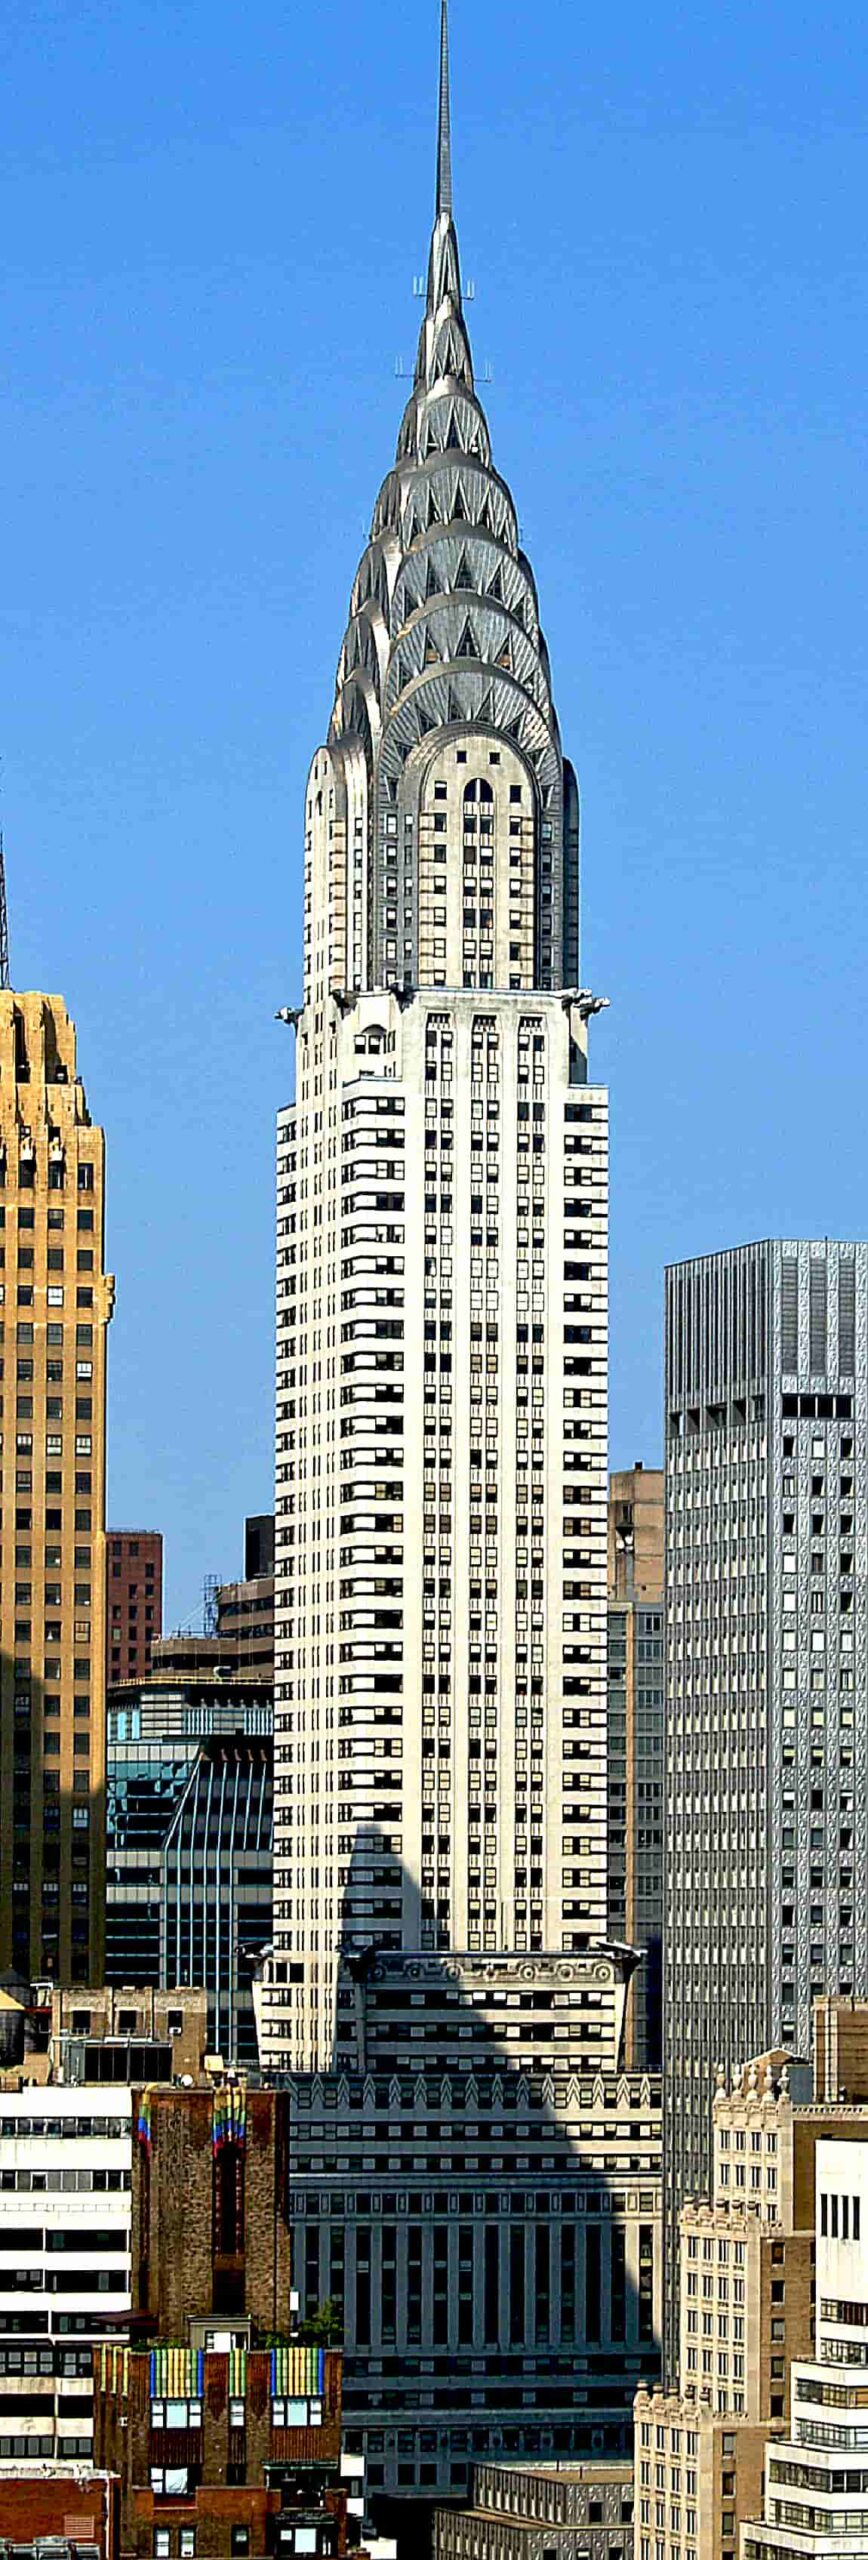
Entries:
{"x":475,"y":2189}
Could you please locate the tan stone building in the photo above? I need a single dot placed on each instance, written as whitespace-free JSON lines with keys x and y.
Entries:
{"x":747,"y":2258}
{"x":57,"y":1299}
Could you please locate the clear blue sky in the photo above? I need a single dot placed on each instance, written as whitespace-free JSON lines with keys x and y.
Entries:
{"x":211,"y":219}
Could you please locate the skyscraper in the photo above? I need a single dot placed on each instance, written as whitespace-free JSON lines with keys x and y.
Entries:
{"x":57,"y":1300}
{"x":767,"y":1692}
{"x":442,"y":1294}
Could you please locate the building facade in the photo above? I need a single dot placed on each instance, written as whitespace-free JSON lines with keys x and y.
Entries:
{"x":767,"y":1685}
{"x":816,"y":2478}
{"x":747,"y":2290}
{"x":65,"y":2164}
{"x":442,"y":1285}
{"x":245,"y":1609}
{"x":134,"y":1601}
{"x":523,"y":2511}
{"x":635,"y":1747}
{"x":189,"y":1842}
{"x":475,"y":2190}
{"x":57,"y":1299}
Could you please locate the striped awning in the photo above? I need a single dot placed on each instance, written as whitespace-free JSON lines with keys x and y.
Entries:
{"x":176,"y":2373}
{"x":297,"y":2372}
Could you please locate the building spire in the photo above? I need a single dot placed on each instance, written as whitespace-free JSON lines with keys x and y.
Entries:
{"x":444,"y":132}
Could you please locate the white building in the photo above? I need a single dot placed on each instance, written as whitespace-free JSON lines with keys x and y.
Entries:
{"x":816,"y":2486}
{"x":440,"y":1700}
{"x":65,"y":2166}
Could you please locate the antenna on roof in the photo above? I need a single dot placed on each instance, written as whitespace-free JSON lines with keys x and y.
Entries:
{"x":4,"y":921}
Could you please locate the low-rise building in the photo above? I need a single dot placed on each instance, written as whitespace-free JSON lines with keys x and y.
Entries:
{"x":223,"y":2447}
{"x":66,"y":2146}
{"x":58,"y":2511}
{"x":541,"y":2511}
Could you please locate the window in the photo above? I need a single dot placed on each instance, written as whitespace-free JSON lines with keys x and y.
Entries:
{"x":236,"y":2413}
{"x":187,"y":2542}
{"x":296,"y":2413}
{"x":161,"y":2542}
{"x":240,"y":2538}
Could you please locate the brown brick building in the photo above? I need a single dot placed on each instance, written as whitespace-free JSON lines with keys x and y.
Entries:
{"x":134,"y":1601}
{"x":73,"y":2508}
{"x":225,"y":2430}
{"x":223,"y":2448}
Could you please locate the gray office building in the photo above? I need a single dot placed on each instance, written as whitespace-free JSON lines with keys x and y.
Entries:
{"x":189,"y":1822}
{"x":766,"y":1886}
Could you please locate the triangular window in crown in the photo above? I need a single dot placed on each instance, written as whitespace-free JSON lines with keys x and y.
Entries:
{"x":468,"y":646}
{"x":453,"y":707}
{"x":463,"y":576}
{"x":486,"y":707}
{"x":459,"y":511}
{"x":432,"y":654}
{"x":504,"y":657}
{"x":495,"y":591}
{"x":425,"y":723}
{"x":432,"y":583}
{"x":453,"y":439}
{"x":433,"y":509}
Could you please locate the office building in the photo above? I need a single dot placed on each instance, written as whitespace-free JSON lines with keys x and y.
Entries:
{"x":134,"y":1601}
{"x":816,"y":2477}
{"x":521,"y":2509}
{"x":635,"y":1753}
{"x":767,"y":1664}
{"x":746,"y":2297}
{"x":57,"y":1300}
{"x":189,"y":1841}
{"x":475,"y":2189}
{"x":65,"y":2157}
{"x":66,"y":2132}
{"x":245,"y":1610}
{"x":442,"y":1287}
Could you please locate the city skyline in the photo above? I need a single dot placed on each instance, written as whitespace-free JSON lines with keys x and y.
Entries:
{"x":691,"y":744}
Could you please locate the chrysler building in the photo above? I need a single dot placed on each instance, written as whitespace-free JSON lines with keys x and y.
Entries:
{"x":440,"y":1702}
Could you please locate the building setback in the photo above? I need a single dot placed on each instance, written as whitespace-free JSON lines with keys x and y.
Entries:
{"x":475,"y":2189}
{"x":767,"y":1664}
{"x":57,"y":1299}
{"x":442,"y":1284}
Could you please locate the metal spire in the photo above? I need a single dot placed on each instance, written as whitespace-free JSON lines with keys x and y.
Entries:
{"x":444,"y":134}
